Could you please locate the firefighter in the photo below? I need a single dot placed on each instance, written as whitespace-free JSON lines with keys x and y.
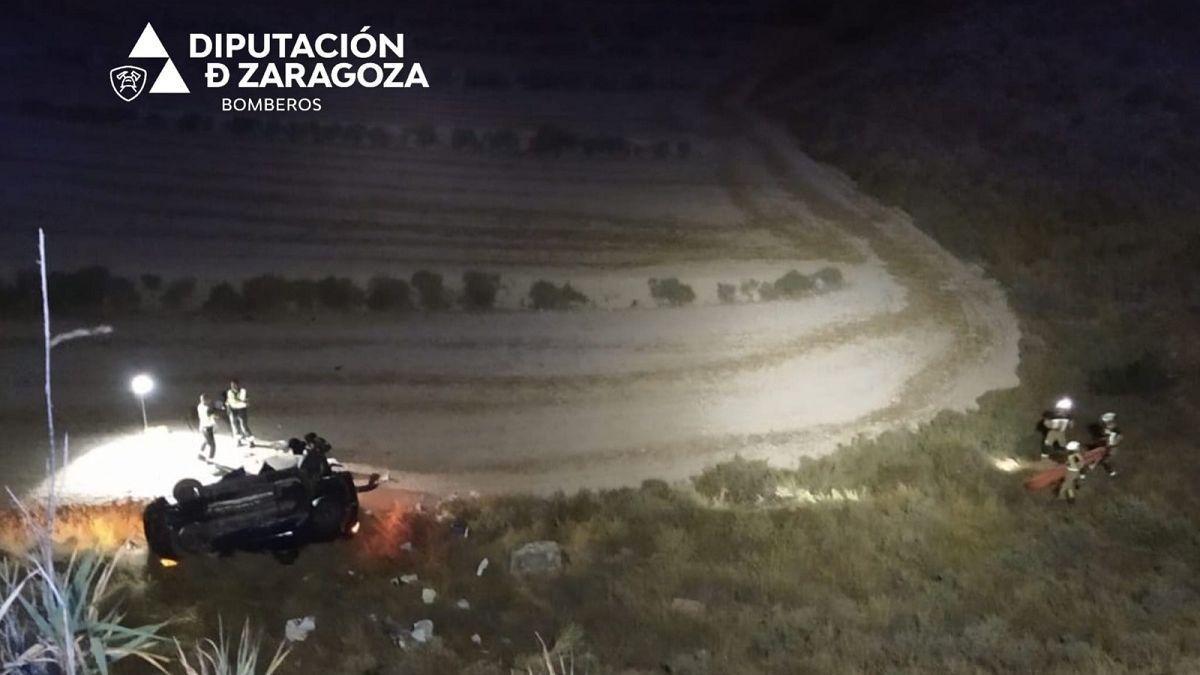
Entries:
{"x":1070,"y":482}
{"x":1055,"y":424}
{"x":208,"y":420}
{"x":1108,"y":436}
{"x":237,"y":404}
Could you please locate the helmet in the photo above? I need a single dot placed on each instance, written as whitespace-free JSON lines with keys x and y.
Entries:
{"x":1064,"y":403}
{"x":1108,"y":417}
{"x":1073,"y":446}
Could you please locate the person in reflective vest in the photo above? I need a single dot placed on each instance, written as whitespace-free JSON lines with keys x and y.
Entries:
{"x":237,"y":403}
{"x":1070,"y":482}
{"x":1055,"y":424}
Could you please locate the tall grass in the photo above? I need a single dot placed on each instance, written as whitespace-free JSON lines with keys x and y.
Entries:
{"x":224,"y":657}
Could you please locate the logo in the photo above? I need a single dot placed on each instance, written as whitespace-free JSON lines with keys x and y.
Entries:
{"x":129,"y":81}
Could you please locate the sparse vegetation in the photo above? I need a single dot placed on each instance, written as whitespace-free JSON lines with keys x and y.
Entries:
{"x":431,"y":290}
{"x":546,"y":295}
{"x":388,"y":294}
{"x":671,"y":292}
{"x":340,"y":294}
{"x":479,"y":289}
{"x":726,"y":293}
{"x":178,"y":293}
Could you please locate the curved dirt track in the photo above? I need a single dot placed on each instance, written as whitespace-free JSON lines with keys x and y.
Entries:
{"x":611,"y":395}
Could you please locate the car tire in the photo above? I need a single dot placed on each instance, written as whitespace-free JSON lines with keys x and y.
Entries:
{"x":186,"y":490}
{"x":157,"y":528}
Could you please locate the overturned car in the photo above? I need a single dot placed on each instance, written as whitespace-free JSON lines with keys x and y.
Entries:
{"x":278,"y":510}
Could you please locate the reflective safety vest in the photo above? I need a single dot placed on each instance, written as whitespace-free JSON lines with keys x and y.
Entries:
{"x":236,"y":399}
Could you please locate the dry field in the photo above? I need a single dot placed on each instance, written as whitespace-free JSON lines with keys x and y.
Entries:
{"x":509,"y":399}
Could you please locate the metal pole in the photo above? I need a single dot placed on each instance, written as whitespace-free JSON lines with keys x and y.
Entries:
{"x":145,"y":424}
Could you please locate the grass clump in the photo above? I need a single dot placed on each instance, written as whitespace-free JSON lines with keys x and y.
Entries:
{"x":431,"y":290}
{"x":546,"y":295}
{"x":672,"y":292}
{"x":388,"y":294}
{"x":480,"y":289}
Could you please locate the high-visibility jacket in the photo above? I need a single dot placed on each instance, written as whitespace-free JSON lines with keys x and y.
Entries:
{"x":235,"y":399}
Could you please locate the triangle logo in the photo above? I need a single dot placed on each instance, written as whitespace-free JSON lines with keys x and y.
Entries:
{"x":169,"y":81}
{"x":149,"y":46}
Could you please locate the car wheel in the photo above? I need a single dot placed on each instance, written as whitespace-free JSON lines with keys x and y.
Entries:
{"x":158,"y":529}
{"x":186,"y":490}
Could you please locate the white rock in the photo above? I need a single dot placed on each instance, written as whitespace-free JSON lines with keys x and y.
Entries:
{"x":406,"y":546}
{"x":408,"y":579}
{"x":483,"y":565}
{"x":537,"y":557}
{"x":296,"y":630}
{"x":462,"y":604}
{"x":422,"y":630}
{"x":428,"y":595}
{"x":476,"y":639}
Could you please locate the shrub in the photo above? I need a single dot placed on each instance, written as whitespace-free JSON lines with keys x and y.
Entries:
{"x":152,"y":282}
{"x":794,"y":284}
{"x":479,"y":289}
{"x":545,"y":295}
{"x":423,"y":135}
{"x":1143,"y":376}
{"x":303,"y":293}
{"x":430,"y":289}
{"x":552,"y":140}
{"x":339,"y":293}
{"x":465,"y":139}
{"x":739,"y":481}
{"x":266,"y":293}
{"x":178,"y":293}
{"x":726,"y":293}
{"x":89,"y":289}
{"x":671,"y":292}
{"x":223,"y":298}
{"x":829,"y":278}
{"x":502,"y":141}
{"x":385,"y":294}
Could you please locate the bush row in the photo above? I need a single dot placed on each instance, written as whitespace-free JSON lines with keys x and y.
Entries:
{"x":548,"y":140}
{"x":95,"y":290}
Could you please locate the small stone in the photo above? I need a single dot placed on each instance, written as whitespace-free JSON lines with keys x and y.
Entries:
{"x":536,"y":558}
{"x":483,"y":565}
{"x":428,"y":595}
{"x":406,"y":546}
{"x":422,"y":631}
{"x":297,"y":630}
{"x":462,"y":604}
{"x":477,"y":640}
{"x":407,"y":579}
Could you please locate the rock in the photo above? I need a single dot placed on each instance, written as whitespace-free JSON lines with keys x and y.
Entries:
{"x":407,"y":579}
{"x":477,"y":640}
{"x":483,"y":565}
{"x":537,"y":558}
{"x":296,"y":630}
{"x":422,"y":631}
{"x":462,"y":604}
{"x":688,"y":606}
{"x":428,"y":595}
{"x":406,"y":547}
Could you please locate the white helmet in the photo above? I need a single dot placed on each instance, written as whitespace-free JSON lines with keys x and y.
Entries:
{"x":1108,"y":417}
{"x":1072,"y":446}
{"x":1064,"y":403}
